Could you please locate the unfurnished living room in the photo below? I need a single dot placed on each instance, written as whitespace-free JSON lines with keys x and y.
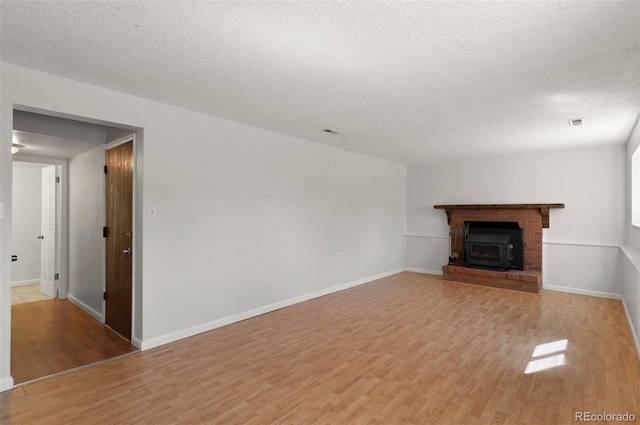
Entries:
{"x":319,"y":212}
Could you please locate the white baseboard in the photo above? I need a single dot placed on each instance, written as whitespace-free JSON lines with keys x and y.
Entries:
{"x":136,"y":342}
{"x":582,"y":292}
{"x":423,"y":271}
{"x":25,"y":282}
{"x":633,"y":330}
{"x":6,"y":384}
{"x":90,"y":311}
{"x":185,"y":333}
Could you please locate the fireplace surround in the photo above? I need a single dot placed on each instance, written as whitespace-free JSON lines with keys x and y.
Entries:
{"x":524,"y":272}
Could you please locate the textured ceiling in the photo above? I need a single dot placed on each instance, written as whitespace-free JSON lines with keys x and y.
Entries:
{"x":411,"y":82}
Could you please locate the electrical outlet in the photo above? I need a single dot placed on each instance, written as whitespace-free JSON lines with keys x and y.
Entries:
{"x":265,"y":286}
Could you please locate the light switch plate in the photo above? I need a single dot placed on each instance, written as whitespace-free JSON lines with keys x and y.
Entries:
{"x":1,"y":211}
{"x":152,"y":212}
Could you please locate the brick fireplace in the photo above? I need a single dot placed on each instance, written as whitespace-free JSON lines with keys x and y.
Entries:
{"x":531,"y":218}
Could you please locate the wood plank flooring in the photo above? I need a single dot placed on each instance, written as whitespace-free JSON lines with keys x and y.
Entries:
{"x":52,"y":336}
{"x":407,"y":349}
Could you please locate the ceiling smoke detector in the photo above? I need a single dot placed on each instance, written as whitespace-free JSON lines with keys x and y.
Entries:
{"x":329,"y":131}
{"x":575,"y":121}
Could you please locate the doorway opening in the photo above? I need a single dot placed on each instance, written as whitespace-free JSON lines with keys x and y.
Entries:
{"x":66,"y":329}
{"x":34,"y":233}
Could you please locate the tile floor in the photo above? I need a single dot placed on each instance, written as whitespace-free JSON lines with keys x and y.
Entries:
{"x":27,"y":294}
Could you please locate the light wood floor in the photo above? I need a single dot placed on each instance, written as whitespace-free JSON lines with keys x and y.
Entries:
{"x":408,"y":349}
{"x":27,"y":294}
{"x":52,"y":336}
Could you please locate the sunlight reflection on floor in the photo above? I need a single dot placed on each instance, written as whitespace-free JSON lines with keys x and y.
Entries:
{"x":545,"y":363}
{"x":550,"y":347}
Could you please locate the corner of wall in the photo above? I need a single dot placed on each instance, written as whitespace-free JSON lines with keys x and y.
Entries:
{"x":6,"y":384}
{"x":631,"y":290}
{"x":84,"y":307}
{"x":633,"y":330}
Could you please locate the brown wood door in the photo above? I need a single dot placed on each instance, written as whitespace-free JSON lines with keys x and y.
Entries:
{"x":119,"y":238}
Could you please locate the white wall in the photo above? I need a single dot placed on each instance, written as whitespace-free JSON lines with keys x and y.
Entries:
{"x":86,"y":219}
{"x":633,"y":232}
{"x":27,"y":211}
{"x":236,"y":205}
{"x":631,"y":259}
{"x":580,"y":247}
{"x":6,"y":116}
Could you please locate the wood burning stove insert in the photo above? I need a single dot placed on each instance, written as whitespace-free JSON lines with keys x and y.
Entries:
{"x":494,"y":245}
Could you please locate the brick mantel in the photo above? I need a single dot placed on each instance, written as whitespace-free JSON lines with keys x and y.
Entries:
{"x":532,"y":218}
{"x":543,"y":208}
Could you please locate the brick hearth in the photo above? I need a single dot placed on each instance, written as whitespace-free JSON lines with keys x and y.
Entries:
{"x":529,"y":281}
{"x":531,"y":218}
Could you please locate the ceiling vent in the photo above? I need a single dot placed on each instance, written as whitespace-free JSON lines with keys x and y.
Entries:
{"x":329,"y":131}
{"x":576,"y":121}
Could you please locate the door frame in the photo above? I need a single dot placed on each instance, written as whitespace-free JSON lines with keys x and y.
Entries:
{"x":62,"y":216}
{"x":108,"y":146}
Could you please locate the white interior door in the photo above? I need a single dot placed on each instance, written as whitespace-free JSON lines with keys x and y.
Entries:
{"x":48,"y":235}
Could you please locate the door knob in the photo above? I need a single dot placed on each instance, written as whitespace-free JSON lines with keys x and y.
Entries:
{"x":127,"y":251}
{"x":41,"y":237}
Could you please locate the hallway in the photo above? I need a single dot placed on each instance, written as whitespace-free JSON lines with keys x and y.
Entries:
{"x":53,"y":336}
